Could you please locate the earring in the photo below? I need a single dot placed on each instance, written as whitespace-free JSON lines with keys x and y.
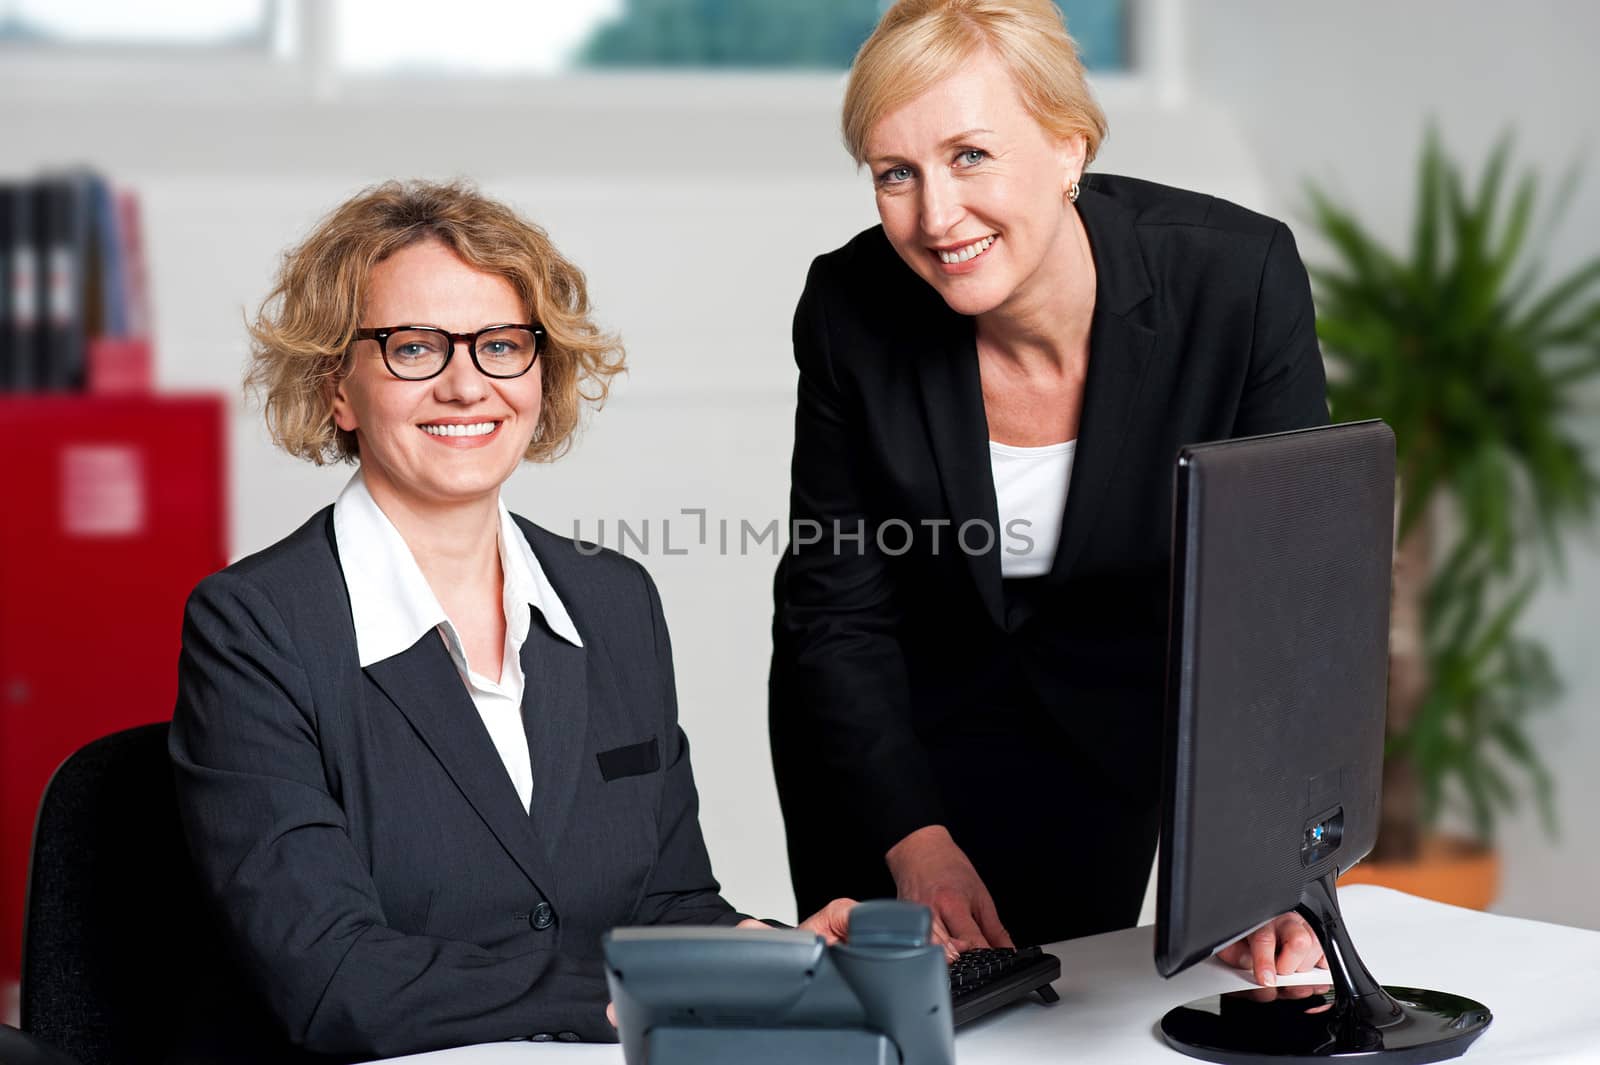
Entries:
{"x":1072,"y":191}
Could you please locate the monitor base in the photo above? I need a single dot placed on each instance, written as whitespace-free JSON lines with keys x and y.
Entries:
{"x":1350,"y":1016}
{"x":1304,"y":1024}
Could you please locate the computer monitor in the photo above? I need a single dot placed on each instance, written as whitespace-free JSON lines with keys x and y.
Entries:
{"x":1277,"y":678}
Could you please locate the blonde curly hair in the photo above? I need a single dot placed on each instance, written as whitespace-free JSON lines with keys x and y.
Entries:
{"x":302,"y":335}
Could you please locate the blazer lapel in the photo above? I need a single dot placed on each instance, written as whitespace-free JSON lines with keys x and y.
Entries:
{"x":1121,"y":340}
{"x":958,"y":431}
{"x":424,"y":684}
{"x":555,"y":715}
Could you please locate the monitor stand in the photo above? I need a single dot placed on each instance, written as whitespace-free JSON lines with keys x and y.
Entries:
{"x":1351,"y":1017}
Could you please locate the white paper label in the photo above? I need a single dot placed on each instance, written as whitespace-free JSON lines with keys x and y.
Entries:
{"x":102,"y":491}
{"x":59,"y":302}
{"x":24,"y":286}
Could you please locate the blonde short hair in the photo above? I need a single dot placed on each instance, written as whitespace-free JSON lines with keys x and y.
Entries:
{"x":920,"y":42}
{"x":302,"y":335}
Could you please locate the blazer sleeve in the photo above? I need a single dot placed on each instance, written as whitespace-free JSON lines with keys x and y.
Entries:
{"x":838,"y":616}
{"x":680,"y":889}
{"x":272,"y":847}
{"x":1285,"y":387}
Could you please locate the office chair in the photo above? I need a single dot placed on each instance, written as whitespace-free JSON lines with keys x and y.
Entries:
{"x":121,"y":962}
{"x":20,"y":1048}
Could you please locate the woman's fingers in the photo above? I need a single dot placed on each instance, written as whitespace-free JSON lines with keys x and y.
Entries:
{"x":941,"y":935}
{"x":989,"y":923}
{"x":956,"y":909}
{"x":1264,"y":955}
{"x":1298,"y":948}
{"x":832,"y":922}
{"x":1286,"y":945}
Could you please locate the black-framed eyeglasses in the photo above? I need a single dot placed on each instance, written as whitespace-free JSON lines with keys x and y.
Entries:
{"x":418,"y":352}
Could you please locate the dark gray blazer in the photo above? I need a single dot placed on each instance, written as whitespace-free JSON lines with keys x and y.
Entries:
{"x":368,"y":854}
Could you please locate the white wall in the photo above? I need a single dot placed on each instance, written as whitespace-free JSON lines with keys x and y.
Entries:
{"x":695,"y":208}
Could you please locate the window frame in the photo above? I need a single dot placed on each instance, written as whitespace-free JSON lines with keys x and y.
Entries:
{"x":299,"y":62}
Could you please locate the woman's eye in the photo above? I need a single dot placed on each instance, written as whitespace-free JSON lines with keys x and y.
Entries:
{"x":972,"y":156}
{"x":895,"y":175}
{"x":411,"y":351}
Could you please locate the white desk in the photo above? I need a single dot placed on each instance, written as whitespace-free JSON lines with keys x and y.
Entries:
{"x":1541,"y":980}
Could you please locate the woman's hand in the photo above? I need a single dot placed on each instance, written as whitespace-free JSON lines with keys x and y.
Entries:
{"x":832,"y":922}
{"x":929,"y":868}
{"x":1283,"y":945}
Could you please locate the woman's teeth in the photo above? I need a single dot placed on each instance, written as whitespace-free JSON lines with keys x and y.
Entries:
{"x":961,"y":255}
{"x":475,"y":429}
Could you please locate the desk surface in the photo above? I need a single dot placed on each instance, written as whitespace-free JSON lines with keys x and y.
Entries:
{"x":1541,"y":980}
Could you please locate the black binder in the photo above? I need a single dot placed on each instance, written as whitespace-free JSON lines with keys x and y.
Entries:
{"x":24,"y":290}
{"x":64,"y":206}
{"x":6,"y":191}
{"x":64,"y":278}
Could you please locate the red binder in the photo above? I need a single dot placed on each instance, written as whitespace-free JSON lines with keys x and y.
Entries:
{"x":112,"y":509}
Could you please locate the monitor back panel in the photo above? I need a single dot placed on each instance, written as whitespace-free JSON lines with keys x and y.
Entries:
{"x":1278,"y":667}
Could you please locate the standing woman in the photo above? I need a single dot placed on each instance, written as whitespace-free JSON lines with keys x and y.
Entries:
{"x":970,"y":628}
{"x":427,"y":752}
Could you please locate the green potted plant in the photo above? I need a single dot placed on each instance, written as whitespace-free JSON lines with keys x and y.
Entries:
{"x":1477,"y":362}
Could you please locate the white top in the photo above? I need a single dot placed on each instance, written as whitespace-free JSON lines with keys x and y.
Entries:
{"x":393,"y":608}
{"x":1030,"y":490}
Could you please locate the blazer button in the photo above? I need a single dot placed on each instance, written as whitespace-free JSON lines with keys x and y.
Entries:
{"x":542,"y":917}
{"x":567,"y":1037}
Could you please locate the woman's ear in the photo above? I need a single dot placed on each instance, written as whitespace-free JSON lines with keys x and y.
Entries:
{"x":1072,"y":154}
{"x":337,"y":390}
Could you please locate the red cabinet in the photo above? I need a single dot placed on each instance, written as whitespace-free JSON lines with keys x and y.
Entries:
{"x":111,"y":509}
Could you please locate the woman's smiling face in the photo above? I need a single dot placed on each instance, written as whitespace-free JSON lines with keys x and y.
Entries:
{"x":454,"y":438}
{"x":972,"y":190}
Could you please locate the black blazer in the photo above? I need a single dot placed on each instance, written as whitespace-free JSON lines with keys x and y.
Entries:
{"x":368,"y":854}
{"x":1203,"y":329}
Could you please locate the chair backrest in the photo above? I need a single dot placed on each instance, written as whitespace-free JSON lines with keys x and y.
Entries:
{"x":122,"y":963}
{"x":20,"y":1048}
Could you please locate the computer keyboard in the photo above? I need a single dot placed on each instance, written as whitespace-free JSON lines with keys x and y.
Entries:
{"x":986,"y":979}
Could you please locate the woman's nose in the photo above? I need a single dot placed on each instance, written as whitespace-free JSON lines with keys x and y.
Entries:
{"x":461,"y":380}
{"x":940,"y":208}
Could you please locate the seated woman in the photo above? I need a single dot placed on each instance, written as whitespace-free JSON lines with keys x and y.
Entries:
{"x":428,"y":752}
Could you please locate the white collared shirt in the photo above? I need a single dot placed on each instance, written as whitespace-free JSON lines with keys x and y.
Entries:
{"x":394,"y":607}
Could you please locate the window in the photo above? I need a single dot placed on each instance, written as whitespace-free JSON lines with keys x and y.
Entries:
{"x":400,"y":37}
{"x":332,"y":48}
{"x":165,"y":23}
